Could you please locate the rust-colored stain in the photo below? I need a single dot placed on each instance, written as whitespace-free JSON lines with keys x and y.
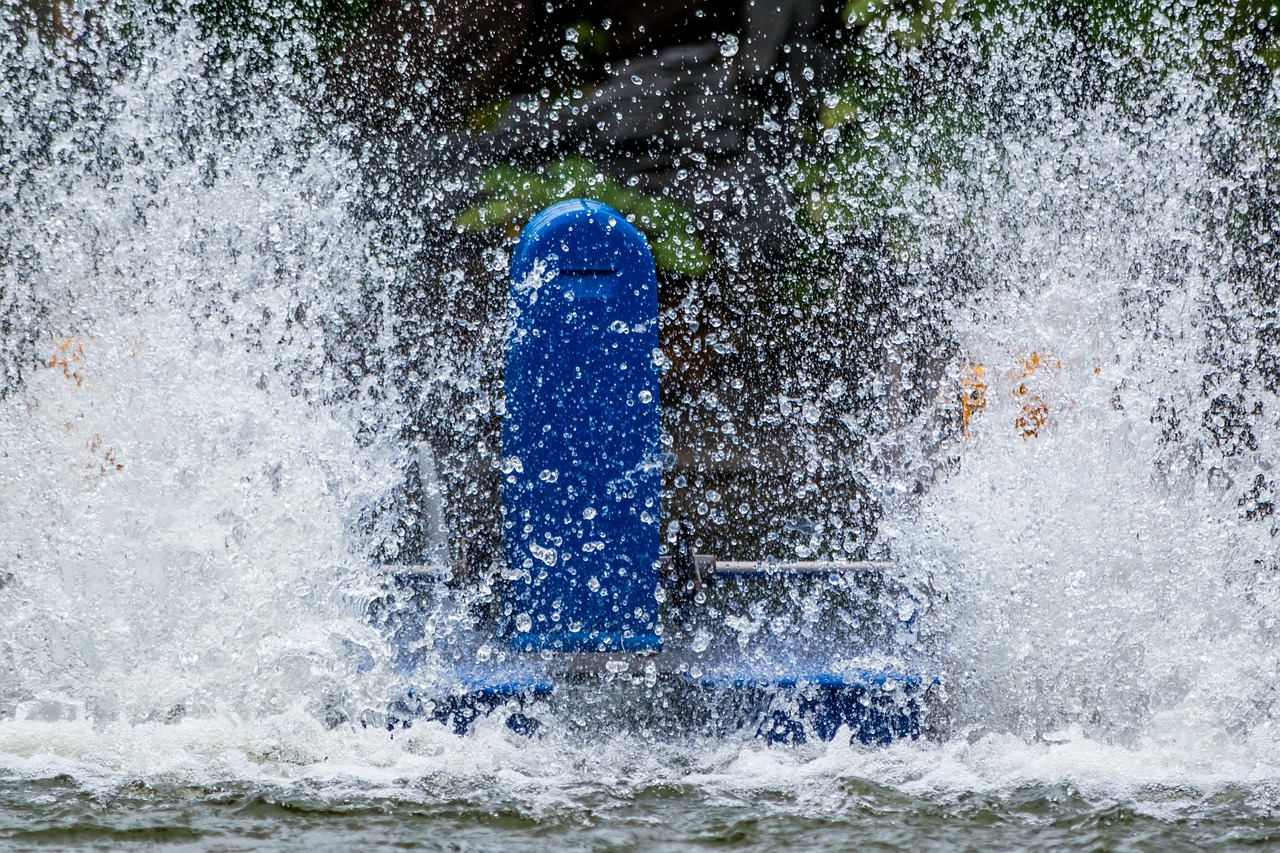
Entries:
{"x":1035,"y":412}
{"x":973,"y":398}
{"x":109,"y":461}
{"x":1034,"y":416}
{"x":69,"y":355}
{"x":1035,"y":361}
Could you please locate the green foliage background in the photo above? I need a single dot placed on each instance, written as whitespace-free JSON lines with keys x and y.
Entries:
{"x":892,"y":118}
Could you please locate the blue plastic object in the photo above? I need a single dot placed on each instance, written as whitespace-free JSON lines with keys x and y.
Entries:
{"x":878,"y":705}
{"x":580,"y":435}
{"x":581,"y":480}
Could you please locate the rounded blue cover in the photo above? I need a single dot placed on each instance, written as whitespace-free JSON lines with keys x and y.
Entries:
{"x":580,"y":434}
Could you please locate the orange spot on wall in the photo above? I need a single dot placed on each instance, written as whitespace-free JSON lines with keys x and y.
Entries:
{"x":68,"y":354}
{"x":1035,"y":412}
{"x":973,"y":398}
{"x":1031,"y":383}
{"x":107,"y":455}
{"x":1036,"y":361}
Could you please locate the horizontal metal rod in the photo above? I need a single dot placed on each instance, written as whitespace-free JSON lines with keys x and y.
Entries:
{"x":709,"y":563}
{"x":422,"y":570}
{"x":796,"y":567}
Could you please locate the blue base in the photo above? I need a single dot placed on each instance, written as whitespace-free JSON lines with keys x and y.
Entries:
{"x":477,"y":695}
{"x":582,"y":641}
{"x":876,"y":706}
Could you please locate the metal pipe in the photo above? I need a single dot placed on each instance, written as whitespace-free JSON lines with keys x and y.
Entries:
{"x":796,"y":567}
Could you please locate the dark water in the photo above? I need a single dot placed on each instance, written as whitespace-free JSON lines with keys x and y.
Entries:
{"x":664,"y":816}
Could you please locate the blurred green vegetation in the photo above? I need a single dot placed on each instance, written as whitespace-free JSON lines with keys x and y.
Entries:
{"x":510,"y":196}
{"x":307,"y":32}
{"x":894,"y":122}
{"x":514,"y":195}
{"x":914,"y":92}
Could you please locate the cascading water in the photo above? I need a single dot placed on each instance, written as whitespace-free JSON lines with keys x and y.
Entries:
{"x":200,"y":439}
{"x":1102,"y":528}
{"x":180,"y":476}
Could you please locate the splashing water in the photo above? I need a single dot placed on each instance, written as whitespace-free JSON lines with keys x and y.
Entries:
{"x":1105,"y":569}
{"x":177,"y":492}
{"x":195,"y":421}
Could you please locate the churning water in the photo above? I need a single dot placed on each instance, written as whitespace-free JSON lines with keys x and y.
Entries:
{"x":197,"y":430}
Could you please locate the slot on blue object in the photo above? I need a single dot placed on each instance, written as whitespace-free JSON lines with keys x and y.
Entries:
{"x":580,"y":435}
{"x":590,"y":284}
